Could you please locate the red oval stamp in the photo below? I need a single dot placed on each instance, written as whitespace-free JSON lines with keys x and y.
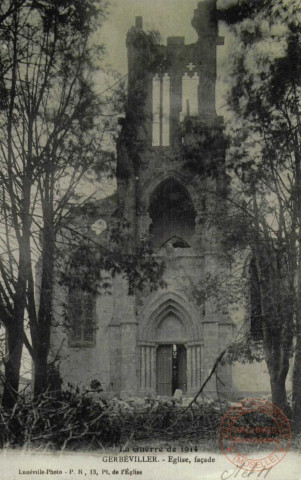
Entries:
{"x":255,"y":435}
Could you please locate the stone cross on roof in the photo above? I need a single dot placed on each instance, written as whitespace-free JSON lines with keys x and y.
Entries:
{"x":191,"y":66}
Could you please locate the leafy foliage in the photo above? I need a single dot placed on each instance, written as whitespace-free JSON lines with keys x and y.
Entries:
{"x":245,"y":351}
{"x":53,"y":131}
{"x":89,"y":261}
{"x":263,"y":161}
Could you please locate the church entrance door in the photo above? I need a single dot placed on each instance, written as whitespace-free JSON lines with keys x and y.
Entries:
{"x":171,"y":366}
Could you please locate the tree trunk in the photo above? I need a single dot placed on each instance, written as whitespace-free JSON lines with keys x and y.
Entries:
{"x":296,"y":394}
{"x":278,"y":390}
{"x":15,"y":330}
{"x":277,"y":360}
{"x":46,"y":295}
{"x":275,"y":321}
{"x":12,"y":368}
{"x":41,"y":371}
{"x":44,"y":327}
{"x":297,"y":386}
{"x":297,"y":360}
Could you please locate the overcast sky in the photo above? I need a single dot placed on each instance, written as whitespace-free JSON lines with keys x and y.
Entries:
{"x":169,"y":17}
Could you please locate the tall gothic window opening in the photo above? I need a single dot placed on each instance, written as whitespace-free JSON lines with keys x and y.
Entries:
{"x":81,"y":318}
{"x":255,"y":302}
{"x":161,"y":111}
{"x":172,"y":214}
{"x":190,"y":93}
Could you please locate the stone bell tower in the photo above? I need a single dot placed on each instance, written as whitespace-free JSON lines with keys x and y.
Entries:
{"x":170,"y":173}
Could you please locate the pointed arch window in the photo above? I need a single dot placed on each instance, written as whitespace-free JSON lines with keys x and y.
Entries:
{"x":161,"y":110}
{"x":172,"y":214}
{"x":82,"y":331}
{"x":190,"y":93}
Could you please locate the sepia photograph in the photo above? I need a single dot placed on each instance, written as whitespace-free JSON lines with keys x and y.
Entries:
{"x":150,"y":239}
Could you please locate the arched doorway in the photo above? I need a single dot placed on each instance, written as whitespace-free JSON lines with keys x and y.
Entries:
{"x":171,"y":358}
{"x":169,"y":347}
{"x":171,"y":369}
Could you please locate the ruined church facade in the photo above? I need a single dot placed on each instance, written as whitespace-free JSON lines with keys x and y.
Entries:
{"x":170,"y":177}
